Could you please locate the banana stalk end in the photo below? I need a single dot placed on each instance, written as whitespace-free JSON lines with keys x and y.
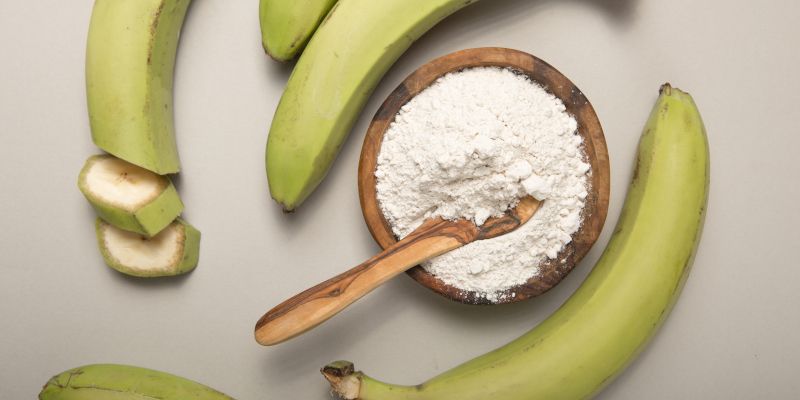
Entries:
{"x":666,"y":89}
{"x":345,"y":381}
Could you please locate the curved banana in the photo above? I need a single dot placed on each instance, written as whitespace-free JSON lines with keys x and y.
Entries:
{"x":122,"y":382}
{"x":609,"y":319}
{"x":286,"y":26}
{"x":130,"y":58}
{"x":347,"y":56}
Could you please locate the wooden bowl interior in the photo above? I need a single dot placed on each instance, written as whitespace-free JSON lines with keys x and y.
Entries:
{"x":596,"y":205}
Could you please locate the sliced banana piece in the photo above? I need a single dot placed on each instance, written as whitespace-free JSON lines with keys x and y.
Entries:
{"x":128,"y":196}
{"x":174,"y":251}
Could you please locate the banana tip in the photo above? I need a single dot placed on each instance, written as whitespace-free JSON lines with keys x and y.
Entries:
{"x":280,"y":57}
{"x":285,"y":206}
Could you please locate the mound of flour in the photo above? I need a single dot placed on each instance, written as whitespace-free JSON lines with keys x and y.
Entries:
{"x":469,"y":146}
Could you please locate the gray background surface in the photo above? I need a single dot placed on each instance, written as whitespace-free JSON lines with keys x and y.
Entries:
{"x":732,"y":335}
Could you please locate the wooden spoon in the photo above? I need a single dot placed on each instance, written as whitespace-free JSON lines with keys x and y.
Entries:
{"x":433,"y":238}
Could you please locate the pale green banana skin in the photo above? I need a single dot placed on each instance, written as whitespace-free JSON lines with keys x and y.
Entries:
{"x":130,"y":60}
{"x":286,"y":26}
{"x":604,"y":325}
{"x":187,"y":263}
{"x":352,"y":49}
{"x":122,"y":382}
{"x":147,"y":220}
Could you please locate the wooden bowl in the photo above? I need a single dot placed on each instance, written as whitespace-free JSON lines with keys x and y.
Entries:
{"x":596,"y":205}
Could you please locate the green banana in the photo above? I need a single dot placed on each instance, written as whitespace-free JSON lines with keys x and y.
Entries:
{"x":605,"y":324}
{"x":347,"y":56}
{"x":130,"y":58}
{"x":286,"y":26}
{"x":122,"y":382}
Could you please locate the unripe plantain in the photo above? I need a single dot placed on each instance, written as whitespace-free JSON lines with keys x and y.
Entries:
{"x":604,"y":325}
{"x":347,"y":56}
{"x":130,"y":58}
{"x":286,"y":26}
{"x":122,"y":382}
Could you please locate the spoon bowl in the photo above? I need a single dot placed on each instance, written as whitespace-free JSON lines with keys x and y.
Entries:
{"x":594,"y":146}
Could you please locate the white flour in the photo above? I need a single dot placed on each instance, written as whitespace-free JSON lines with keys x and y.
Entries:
{"x":470,"y":146}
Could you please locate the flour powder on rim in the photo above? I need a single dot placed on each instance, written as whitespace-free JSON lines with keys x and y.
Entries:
{"x":470,"y":146}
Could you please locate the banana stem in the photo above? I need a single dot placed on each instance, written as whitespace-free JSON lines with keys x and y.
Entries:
{"x":349,"y":384}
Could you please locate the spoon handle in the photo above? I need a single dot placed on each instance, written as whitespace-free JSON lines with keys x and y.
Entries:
{"x":315,"y":305}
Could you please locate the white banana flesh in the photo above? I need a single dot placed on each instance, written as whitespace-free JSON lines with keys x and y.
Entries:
{"x":123,"y":184}
{"x":173,"y":251}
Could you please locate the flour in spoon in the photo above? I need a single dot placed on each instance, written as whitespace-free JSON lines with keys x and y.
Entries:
{"x":470,"y":146}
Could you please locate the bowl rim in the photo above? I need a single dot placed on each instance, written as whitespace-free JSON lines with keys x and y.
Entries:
{"x":596,"y":204}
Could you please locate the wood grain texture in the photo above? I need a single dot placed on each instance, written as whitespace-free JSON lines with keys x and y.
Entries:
{"x":434,"y":237}
{"x":594,"y":146}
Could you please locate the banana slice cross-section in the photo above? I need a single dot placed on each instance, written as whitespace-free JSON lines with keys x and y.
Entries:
{"x":129,"y":197}
{"x":174,"y":251}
